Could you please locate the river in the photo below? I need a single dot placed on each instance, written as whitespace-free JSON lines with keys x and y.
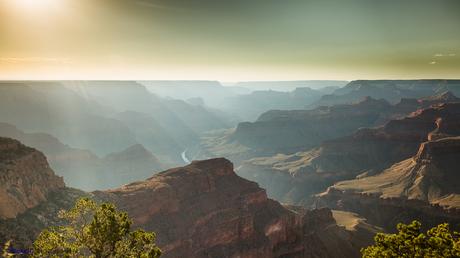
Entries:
{"x":184,"y":157}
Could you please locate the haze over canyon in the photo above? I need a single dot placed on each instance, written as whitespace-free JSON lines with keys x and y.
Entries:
{"x":252,"y":169}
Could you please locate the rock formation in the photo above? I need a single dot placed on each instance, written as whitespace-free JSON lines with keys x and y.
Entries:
{"x":294,"y":177}
{"x":426,"y":184}
{"x":206,"y":210}
{"x":25,"y":178}
{"x":290,"y":131}
{"x":301,"y":129}
{"x":201,"y":210}
{"x":278,"y":131}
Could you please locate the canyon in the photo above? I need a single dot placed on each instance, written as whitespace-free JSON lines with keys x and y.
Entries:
{"x":85,"y":170}
{"x":317,"y":182}
{"x":391,"y":90}
{"x":200,"y":210}
{"x":296,"y":177}
{"x":206,"y":210}
{"x":423,"y":186}
{"x":291,"y":131}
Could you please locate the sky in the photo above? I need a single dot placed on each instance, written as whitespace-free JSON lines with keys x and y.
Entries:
{"x":229,"y":40}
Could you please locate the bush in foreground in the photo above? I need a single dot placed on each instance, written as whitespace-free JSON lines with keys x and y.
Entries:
{"x":95,"y":231}
{"x":439,"y":241}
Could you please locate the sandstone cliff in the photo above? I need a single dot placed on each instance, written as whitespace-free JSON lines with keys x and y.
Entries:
{"x":25,"y":178}
{"x":30,"y":193}
{"x":425,"y":186}
{"x":206,"y":210}
{"x":294,"y":178}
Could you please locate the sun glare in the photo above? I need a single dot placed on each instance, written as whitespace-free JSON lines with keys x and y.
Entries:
{"x":35,"y":5}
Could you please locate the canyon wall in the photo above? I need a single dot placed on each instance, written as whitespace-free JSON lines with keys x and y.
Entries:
{"x":206,"y":210}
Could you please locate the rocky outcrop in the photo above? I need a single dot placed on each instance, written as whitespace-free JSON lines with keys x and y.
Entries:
{"x":427,"y":183}
{"x":206,"y":210}
{"x":293,"y":178}
{"x":443,"y":97}
{"x":25,"y":178}
{"x":25,"y":227}
{"x":409,"y":105}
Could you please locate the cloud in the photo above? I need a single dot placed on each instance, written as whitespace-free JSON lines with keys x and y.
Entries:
{"x":444,"y":55}
{"x":433,"y":62}
{"x":45,"y":60}
{"x":157,"y":6}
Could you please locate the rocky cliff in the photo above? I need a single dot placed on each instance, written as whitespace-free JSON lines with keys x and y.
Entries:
{"x":425,"y":186}
{"x":25,"y":178}
{"x":201,"y":210}
{"x":294,"y":177}
{"x":25,"y":227}
{"x":290,"y":131}
{"x":206,"y":210}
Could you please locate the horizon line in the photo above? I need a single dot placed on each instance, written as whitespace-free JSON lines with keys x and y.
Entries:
{"x":227,"y":81}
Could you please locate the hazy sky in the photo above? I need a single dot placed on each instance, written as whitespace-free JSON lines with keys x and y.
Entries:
{"x":229,"y":40}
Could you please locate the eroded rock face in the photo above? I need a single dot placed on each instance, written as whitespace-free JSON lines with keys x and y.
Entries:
{"x":427,"y":185}
{"x":290,"y":131}
{"x":206,"y":210}
{"x":300,"y":129}
{"x":25,"y":178}
{"x":294,"y":177}
{"x":25,"y":227}
{"x":31,"y":195}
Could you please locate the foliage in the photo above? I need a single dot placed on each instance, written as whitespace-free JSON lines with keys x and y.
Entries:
{"x":6,"y":248}
{"x":439,"y":241}
{"x":95,"y":231}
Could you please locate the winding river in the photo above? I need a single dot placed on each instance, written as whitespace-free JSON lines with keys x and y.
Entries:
{"x":184,"y":157}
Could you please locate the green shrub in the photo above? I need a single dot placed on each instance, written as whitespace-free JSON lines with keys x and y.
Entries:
{"x":439,"y":241}
{"x":95,"y":231}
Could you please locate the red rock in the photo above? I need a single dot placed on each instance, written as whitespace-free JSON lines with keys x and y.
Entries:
{"x":294,"y":178}
{"x":25,"y":178}
{"x":206,"y":210}
{"x":424,"y":186}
